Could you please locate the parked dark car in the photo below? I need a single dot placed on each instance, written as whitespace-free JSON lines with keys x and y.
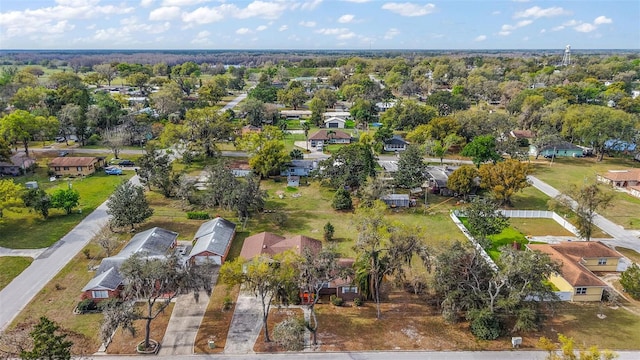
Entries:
{"x":63,"y":153}
{"x":126,"y":163}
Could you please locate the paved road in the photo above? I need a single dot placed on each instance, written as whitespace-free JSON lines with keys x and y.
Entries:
{"x":381,"y":355}
{"x":621,"y":237}
{"x":15,"y":296}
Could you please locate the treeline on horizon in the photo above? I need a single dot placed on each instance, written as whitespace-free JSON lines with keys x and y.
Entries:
{"x":256,"y":58}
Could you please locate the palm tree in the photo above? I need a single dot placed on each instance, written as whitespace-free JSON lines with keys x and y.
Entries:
{"x":306,"y":128}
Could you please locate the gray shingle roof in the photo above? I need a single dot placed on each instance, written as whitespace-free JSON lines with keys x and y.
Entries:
{"x":213,"y":236}
{"x":108,"y":280}
{"x":153,"y":243}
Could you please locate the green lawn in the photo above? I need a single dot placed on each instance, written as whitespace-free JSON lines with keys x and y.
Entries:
{"x":625,"y":209}
{"x":507,"y":237}
{"x":22,"y":229}
{"x":11,"y":267}
{"x":538,"y":227}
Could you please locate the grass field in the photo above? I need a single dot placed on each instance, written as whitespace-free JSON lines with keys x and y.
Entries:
{"x":625,"y":209}
{"x":629,"y":253}
{"x":538,"y":227}
{"x":11,"y":267}
{"x":22,"y":229}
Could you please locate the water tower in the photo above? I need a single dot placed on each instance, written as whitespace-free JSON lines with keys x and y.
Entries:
{"x":566,"y":59}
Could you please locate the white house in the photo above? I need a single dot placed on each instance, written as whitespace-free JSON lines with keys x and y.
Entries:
{"x":345,"y":115}
{"x":334,"y":123}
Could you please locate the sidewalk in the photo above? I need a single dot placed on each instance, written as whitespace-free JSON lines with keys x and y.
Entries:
{"x":245,"y":325}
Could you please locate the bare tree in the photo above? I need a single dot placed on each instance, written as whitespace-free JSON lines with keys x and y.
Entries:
{"x":107,"y":239}
{"x":115,"y":140}
{"x":107,"y":71}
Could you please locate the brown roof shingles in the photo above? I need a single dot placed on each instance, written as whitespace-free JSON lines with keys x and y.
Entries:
{"x":72,"y":161}
{"x":623,"y":175}
{"x":271,"y":244}
{"x":570,"y":255}
{"x":322,"y":135}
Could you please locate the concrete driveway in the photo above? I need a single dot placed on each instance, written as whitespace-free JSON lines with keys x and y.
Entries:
{"x":187,"y":315}
{"x":245,"y":325}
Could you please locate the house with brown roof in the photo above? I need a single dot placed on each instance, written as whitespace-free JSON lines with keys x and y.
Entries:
{"x":269,"y":244}
{"x":579,"y":260}
{"x":325,"y":137}
{"x":17,"y":165}
{"x":74,"y":166}
{"x":621,"y":178}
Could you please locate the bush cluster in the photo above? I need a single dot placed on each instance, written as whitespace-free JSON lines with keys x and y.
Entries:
{"x":198,"y":215}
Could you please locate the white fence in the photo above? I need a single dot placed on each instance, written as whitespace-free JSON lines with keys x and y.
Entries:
{"x":460,"y":225}
{"x":541,"y":214}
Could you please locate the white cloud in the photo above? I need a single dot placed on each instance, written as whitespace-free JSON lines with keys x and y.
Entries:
{"x":261,"y":28}
{"x":243,"y":31}
{"x":164,"y":13}
{"x":310,"y":5}
{"x":571,"y":23}
{"x":346,"y":18}
{"x":497,"y":12}
{"x":538,"y":12}
{"x":203,"y":34}
{"x":506,"y":29}
{"x":339,"y":33}
{"x":543,"y":31}
{"x":357,"y":1}
{"x":40,"y":20}
{"x":602,"y":20}
{"x":409,"y":9}
{"x":307,"y":23}
{"x":558,"y":28}
{"x":146,"y":3}
{"x":391,"y":33}
{"x":182,"y":2}
{"x":201,"y":38}
{"x":585,"y":28}
{"x":480,"y":38}
{"x":205,"y":15}
{"x":265,"y":10}
{"x":283,"y":28}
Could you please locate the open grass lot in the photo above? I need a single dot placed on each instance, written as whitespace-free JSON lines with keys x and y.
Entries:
{"x":629,"y":253}
{"x":538,"y":227}
{"x":530,"y":198}
{"x":216,"y":321}
{"x":58,"y":299}
{"x":22,"y":229}
{"x":11,"y":267}
{"x":625,"y":209}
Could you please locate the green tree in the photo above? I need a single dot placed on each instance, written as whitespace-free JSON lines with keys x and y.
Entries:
{"x":463,"y":180}
{"x":270,"y":158}
{"x":128,"y":205}
{"x":294,"y":95}
{"x":156,"y":282}
{"x":247,"y":196}
{"x":9,"y":195}
{"x":264,"y":92}
{"x":481,"y":149}
{"x":203,"y":128}
{"x":186,"y":76}
{"x":363,"y":112}
{"x":213,"y":90}
{"x":264,"y":277}
{"x":342,"y":200}
{"x":329,"y":230}
{"x":411,"y":168}
{"x":504,"y":179}
{"x":306,"y":128}
{"x":156,"y":169}
{"x":440,"y":148}
{"x":107,"y":71}
{"x":317,"y":107}
{"x":567,"y":350}
{"x":585,"y":201}
{"x":5,"y":150}
{"x":630,"y":281}
{"x":484,"y":219}
{"x":48,"y":343}
{"x":65,"y":199}
{"x":349,"y":166}
{"x":38,"y":200}
{"x":19,"y":126}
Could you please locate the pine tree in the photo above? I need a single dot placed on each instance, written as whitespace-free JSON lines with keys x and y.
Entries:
{"x":46,"y":343}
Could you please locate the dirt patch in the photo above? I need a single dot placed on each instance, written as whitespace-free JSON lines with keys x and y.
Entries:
{"x":124,"y":343}
{"x":216,"y":321}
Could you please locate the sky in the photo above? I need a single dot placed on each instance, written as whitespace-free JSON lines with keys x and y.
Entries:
{"x":319,"y":24}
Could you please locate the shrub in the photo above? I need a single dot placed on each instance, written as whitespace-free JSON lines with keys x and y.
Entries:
{"x":358,"y":302}
{"x":484,"y":324}
{"x":630,"y":281}
{"x":93,"y":139}
{"x":86,"y":305}
{"x":198,"y":215}
{"x":290,"y":334}
{"x":226,"y":303}
{"x":87,"y":253}
{"x":329,"y":230}
{"x":337,"y":301}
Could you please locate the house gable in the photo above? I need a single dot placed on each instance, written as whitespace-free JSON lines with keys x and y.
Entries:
{"x":213,"y":238}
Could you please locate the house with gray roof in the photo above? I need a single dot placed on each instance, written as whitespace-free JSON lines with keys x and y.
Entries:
{"x":155,"y":243}
{"x":212,"y":241}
